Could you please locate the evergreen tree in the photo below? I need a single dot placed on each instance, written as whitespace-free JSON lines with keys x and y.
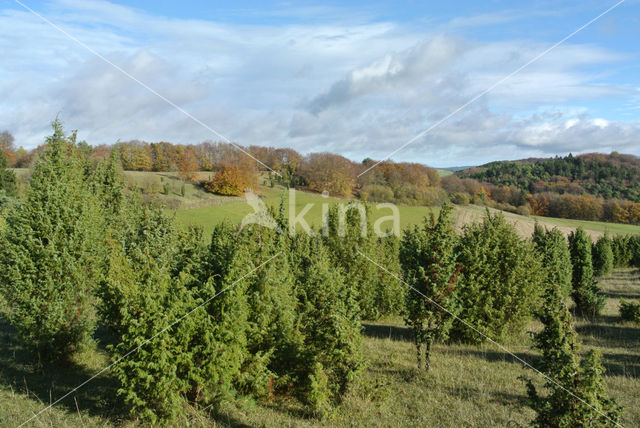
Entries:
{"x":330,"y":356}
{"x":273,"y":339}
{"x":629,"y":311}
{"x":602,"y":256}
{"x":572,"y":377}
{"x":621,"y":252}
{"x":377,"y":292}
{"x":48,"y":262}
{"x":429,"y":265}
{"x":556,"y":259}
{"x":158,"y":276}
{"x":500,"y":283}
{"x":391,"y":296}
{"x":586,"y":294}
{"x":147,"y":303}
{"x":539,"y":234}
{"x":7,"y":177}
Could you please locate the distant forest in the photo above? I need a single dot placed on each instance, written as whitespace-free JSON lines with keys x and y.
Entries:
{"x":586,"y":187}
{"x":605,"y":176}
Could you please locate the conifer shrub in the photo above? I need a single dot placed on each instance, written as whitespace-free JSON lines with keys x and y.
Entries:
{"x":630,"y":311}
{"x":49,"y":265}
{"x":602,"y":255}
{"x":501,"y":281}
{"x":330,"y":356}
{"x":348,"y":231}
{"x":273,"y":336}
{"x":556,"y":258}
{"x":634,"y":250}
{"x":576,"y":388}
{"x":586,"y":294}
{"x":430,"y":268}
{"x":620,"y":248}
{"x":179,"y":315}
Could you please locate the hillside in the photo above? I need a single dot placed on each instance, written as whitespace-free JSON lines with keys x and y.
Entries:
{"x":203,"y":209}
{"x":613,"y":176}
{"x":200,"y":208}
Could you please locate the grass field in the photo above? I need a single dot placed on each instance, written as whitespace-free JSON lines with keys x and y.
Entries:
{"x":473,"y":386}
{"x":203,"y":209}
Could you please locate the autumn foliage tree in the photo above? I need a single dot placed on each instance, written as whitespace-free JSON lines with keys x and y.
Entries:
{"x":230,"y":180}
{"x":328,"y":172}
{"x":188,"y":164}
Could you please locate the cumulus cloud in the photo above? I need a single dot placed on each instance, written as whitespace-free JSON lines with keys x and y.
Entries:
{"x":361,"y":88}
{"x":411,"y":68}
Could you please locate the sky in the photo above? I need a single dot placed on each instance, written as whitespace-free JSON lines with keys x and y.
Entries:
{"x":358,"y":78}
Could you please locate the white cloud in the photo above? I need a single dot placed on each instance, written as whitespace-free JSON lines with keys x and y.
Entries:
{"x":359,"y":88}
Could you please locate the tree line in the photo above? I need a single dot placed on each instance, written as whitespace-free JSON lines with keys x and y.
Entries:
{"x":252,"y":312}
{"x":409,"y":183}
{"x":587,"y":187}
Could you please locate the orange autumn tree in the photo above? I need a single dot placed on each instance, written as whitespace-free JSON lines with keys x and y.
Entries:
{"x":230,"y":180}
{"x":330,"y":172}
{"x":188,"y":164}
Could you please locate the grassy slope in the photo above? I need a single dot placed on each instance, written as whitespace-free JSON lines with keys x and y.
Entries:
{"x":467,"y":386}
{"x":205,"y":210}
{"x":235,"y":209}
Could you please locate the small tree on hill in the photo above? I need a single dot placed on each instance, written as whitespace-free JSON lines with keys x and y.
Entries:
{"x":602,"y":256}
{"x":586,"y":294}
{"x":577,"y":396}
{"x":427,"y":256}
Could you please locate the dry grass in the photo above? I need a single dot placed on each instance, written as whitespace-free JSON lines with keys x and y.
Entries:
{"x":467,"y":386}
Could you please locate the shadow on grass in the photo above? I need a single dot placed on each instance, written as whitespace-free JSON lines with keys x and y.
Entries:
{"x":627,"y":365}
{"x":498,"y":356}
{"x":609,"y":335}
{"x":387,"y":332}
{"x":615,"y":364}
{"x":613,"y":294}
{"x":18,"y":371}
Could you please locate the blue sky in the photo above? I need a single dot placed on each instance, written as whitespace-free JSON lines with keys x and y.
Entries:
{"x":358,"y":78}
